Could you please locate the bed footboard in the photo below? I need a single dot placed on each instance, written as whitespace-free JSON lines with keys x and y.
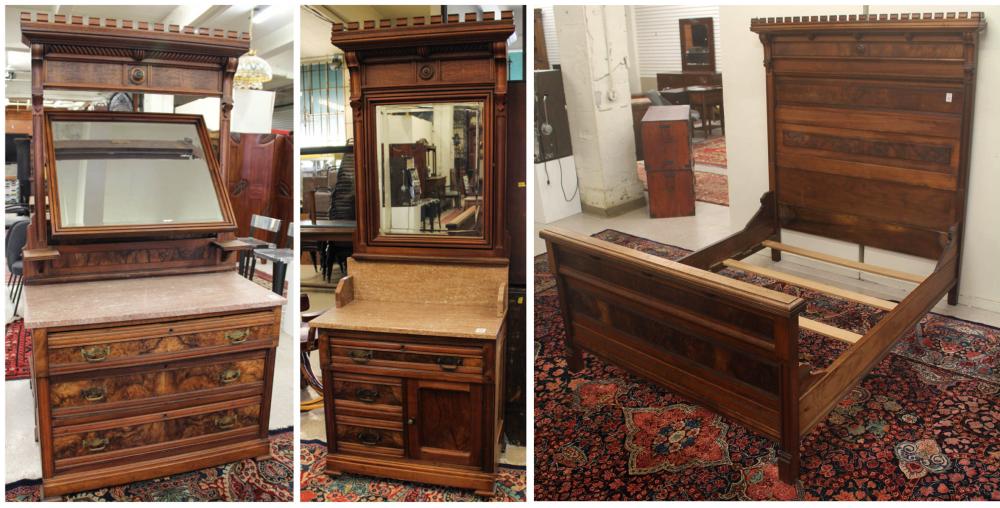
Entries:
{"x":726,"y":344}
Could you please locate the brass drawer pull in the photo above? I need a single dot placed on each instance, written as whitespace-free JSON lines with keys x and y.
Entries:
{"x":369,"y":437}
{"x":238,"y":336}
{"x":360,"y":355}
{"x":229,"y":376}
{"x":449,"y":362}
{"x":225,"y":422}
{"x":93,"y":394}
{"x":364,"y":395}
{"x":94,"y":354}
{"x":96,"y":444}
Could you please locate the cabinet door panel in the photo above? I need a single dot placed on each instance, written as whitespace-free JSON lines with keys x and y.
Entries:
{"x":447,"y":421}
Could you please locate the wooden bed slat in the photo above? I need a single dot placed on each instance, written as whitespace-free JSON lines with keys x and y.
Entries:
{"x":864,"y":267}
{"x":829,"y":331}
{"x":810,"y":284}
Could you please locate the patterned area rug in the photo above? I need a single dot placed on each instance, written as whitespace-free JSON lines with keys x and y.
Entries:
{"x":711,"y":151}
{"x":17,"y":350}
{"x":247,"y":480}
{"x":922,"y":425}
{"x":319,"y":486}
{"x":708,"y":187}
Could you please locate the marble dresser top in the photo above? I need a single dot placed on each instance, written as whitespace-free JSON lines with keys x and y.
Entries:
{"x":85,"y":303}
{"x":409,"y":318}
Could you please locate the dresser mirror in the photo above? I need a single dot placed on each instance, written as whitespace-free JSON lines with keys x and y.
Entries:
{"x":697,"y":44}
{"x":117,"y":171}
{"x":430,"y":168}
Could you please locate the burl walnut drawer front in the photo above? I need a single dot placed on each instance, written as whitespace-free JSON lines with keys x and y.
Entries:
{"x":128,"y":345}
{"x":105,"y":390}
{"x":367,"y":396}
{"x":406,"y":356}
{"x":369,"y":436}
{"x":126,"y":437}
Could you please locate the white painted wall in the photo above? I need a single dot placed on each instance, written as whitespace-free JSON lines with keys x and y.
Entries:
{"x":746,"y":146}
{"x":555,"y":181}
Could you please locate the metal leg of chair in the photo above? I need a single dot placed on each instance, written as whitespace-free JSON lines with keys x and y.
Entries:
{"x":17,"y":299}
{"x":278,"y":277}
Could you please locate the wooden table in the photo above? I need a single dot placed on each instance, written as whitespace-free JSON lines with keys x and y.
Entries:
{"x":324,"y":230}
{"x":706,"y":98}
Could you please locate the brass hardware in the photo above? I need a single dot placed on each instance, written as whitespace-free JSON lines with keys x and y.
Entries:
{"x":449,"y":362}
{"x":93,"y":394}
{"x":225,"y":422}
{"x":360,"y":355}
{"x":94,"y":354}
{"x":410,"y":421}
{"x":369,"y":437}
{"x":369,"y":396}
{"x":137,"y":75}
{"x":229,"y":375}
{"x":96,"y":444}
{"x":238,"y":336}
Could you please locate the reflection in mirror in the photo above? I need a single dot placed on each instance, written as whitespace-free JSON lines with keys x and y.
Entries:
{"x":132,"y":173}
{"x":430,"y":168}
{"x":696,"y":43}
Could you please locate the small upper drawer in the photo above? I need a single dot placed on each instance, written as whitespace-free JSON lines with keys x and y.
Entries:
{"x":103,"y":348}
{"x":407,"y":356}
{"x":172,"y":382}
{"x":367,"y":396}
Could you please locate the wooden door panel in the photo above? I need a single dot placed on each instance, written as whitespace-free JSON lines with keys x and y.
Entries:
{"x":445,"y":421}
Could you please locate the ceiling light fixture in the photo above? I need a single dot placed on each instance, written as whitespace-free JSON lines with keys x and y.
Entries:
{"x":252,"y":71}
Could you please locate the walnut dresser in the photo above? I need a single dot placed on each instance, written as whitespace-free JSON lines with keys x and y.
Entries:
{"x":150,"y":355}
{"x":413,"y":352}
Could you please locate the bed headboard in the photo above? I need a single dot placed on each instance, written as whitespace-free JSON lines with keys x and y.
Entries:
{"x":869,"y":120}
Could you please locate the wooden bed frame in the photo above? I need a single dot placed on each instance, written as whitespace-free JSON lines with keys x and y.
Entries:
{"x":869,"y":121}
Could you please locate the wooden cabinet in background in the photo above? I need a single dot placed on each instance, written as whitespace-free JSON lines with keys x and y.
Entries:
{"x":666,"y":136}
{"x":259,"y":179}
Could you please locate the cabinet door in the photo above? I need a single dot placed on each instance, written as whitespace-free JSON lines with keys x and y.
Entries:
{"x":445,"y":421}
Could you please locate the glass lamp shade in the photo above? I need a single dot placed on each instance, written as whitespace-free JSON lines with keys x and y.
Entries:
{"x":252,"y":72}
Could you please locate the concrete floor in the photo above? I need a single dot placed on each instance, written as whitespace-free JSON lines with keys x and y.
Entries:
{"x":711,"y":223}
{"x":22,"y":455}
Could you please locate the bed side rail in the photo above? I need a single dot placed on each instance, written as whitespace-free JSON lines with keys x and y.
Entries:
{"x":726,"y":344}
{"x":840,"y":377}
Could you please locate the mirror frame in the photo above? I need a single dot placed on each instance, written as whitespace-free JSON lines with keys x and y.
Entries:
{"x":369,"y":200}
{"x":227,"y":224}
{"x":685,"y":66}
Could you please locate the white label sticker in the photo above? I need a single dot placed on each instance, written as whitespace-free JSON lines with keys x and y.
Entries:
{"x":480,"y":330}
{"x":947,"y":97}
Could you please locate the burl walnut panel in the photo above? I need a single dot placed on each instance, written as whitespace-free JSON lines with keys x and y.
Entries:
{"x":137,"y":386}
{"x":111,"y":436}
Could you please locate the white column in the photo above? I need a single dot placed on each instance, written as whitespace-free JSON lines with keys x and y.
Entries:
{"x":596,"y":82}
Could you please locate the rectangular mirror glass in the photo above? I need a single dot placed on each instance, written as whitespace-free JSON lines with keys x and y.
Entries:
{"x":430,"y":168}
{"x":114,"y":173}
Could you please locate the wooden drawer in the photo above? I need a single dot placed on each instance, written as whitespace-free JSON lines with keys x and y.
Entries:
{"x":369,"y":436}
{"x":103,"y":348}
{"x":93,"y":391}
{"x":101,"y":441}
{"x":375,"y":356}
{"x":367,"y":396}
